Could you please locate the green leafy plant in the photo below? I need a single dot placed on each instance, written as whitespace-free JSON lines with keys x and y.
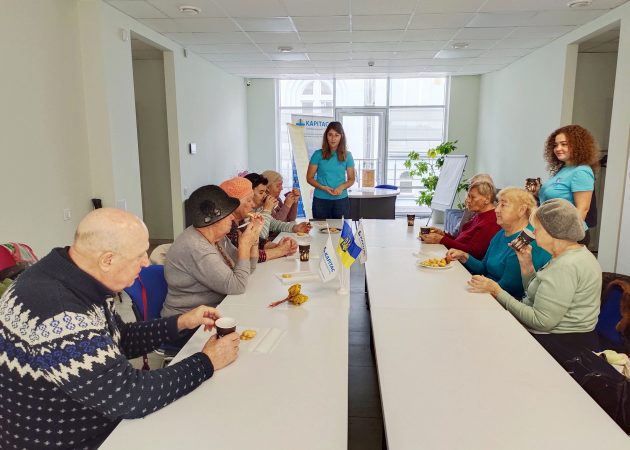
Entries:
{"x":427,"y":170}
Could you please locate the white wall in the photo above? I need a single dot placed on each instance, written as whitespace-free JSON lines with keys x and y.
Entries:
{"x":521,"y":104}
{"x":148,"y":77}
{"x":67,"y":121}
{"x":261,"y":124}
{"x":463,"y":112}
{"x":43,"y":158}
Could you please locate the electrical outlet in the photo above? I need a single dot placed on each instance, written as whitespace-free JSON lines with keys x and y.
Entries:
{"x":67,"y":214}
{"x":192,"y":147}
{"x":121,"y":204}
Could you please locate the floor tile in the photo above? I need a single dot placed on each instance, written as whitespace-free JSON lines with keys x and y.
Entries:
{"x":364,"y":396}
{"x":365,"y":433}
{"x":359,"y":338}
{"x":360,"y":356}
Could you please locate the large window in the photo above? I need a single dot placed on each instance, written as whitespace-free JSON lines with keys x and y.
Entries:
{"x":414,"y":117}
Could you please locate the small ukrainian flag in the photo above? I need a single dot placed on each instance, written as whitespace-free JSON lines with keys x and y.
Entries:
{"x":348,"y":250}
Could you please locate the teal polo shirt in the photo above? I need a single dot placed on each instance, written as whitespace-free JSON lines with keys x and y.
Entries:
{"x":331,"y":172}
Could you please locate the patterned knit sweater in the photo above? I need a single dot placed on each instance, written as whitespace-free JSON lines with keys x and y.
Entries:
{"x":65,"y":381}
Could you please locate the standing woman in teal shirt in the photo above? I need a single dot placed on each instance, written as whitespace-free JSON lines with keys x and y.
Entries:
{"x":572,"y":158}
{"x":331,"y":173}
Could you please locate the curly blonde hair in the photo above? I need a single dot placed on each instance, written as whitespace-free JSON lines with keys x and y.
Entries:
{"x":520,"y":197}
{"x":584,"y":148}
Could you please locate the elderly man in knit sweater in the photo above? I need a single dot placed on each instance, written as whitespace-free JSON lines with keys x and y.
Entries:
{"x":66,"y":380}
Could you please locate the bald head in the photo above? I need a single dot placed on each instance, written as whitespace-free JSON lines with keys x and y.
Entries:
{"x":111,"y":245}
{"x":107,"y":229}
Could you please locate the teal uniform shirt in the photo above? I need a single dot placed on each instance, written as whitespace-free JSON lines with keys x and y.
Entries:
{"x":501,"y":263}
{"x":568,"y":180}
{"x":331,"y":172}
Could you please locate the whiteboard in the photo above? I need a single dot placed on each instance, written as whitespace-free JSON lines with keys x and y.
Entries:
{"x":450,"y":176}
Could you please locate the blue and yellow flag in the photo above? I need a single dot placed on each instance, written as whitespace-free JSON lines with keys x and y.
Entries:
{"x":347,"y":249}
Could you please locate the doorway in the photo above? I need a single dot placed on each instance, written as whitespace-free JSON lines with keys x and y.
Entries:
{"x":593,"y":101}
{"x":365,"y":137}
{"x":153,"y":143}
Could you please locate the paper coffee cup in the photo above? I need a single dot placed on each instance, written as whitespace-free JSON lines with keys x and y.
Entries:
{"x":225,"y":325}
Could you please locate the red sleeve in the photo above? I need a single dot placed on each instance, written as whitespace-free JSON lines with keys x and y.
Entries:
{"x":475,"y":238}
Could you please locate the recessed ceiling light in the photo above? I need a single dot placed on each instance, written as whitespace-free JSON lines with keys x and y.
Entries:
{"x":190,"y":10}
{"x":579,"y":3}
{"x":460,"y":45}
{"x":285,"y":49}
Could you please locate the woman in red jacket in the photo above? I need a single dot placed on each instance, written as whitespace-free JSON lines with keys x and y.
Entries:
{"x":475,"y":235}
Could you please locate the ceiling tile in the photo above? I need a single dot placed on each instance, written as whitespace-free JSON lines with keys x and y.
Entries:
{"x":414,"y":54}
{"x":540,"y":32}
{"x":564,"y":17}
{"x":380,"y":7}
{"x":376,"y":36}
{"x":449,"y":6}
{"x":138,"y":9}
{"x":522,"y":43}
{"x":474,"y":44}
{"x":372,"y":55}
{"x":504,"y":60}
{"x":267,"y":38}
{"x":227,"y":48}
{"x":312,"y":37}
{"x":273,"y":24}
{"x":329,"y":47}
{"x":458,"y":53}
{"x":192,"y":25}
{"x":316,"y":8}
{"x":341,"y":56}
{"x":515,"y":19}
{"x":253,"y":8}
{"x":436,"y":34}
{"x":330,"y":23}
{"x":422,"y":45}
{"x":207,"y":38}
{"x":420,"y":20}
{"x":483,"y":33}
{"x":499,"y":52}
{"x":541,"y":5}
{"x":382,"y":22}
{"x":231,"y":57}
{"x":375,"y":46}
{"x":171,"y":8}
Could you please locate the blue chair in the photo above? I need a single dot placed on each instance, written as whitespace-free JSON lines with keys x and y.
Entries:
{"x":386,"y":186}
{"x":148,"y":294}
{"x":610,"y":313}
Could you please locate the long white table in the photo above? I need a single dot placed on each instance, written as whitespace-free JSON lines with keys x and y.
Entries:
{"x":456,"y":371}
{"x":292,"y":397}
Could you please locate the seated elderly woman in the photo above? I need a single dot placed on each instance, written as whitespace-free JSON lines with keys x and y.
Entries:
{"x":264,"y":204}
{"x":285,"y":211}
{"x":500,"y":262}
{"x":476,"y":234}
{"x":241,"y":188}
{"x":202,"y":266}
{"x":562,"y":299}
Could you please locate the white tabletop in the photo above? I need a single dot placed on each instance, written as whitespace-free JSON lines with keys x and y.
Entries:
{"x":295,"y":397}
{"x":475,"y":379}
{"x":393,"y":233}
{"x":373,"y":193}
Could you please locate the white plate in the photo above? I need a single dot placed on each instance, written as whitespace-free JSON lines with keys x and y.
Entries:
{"x":325,"y":230}
{"x":420,"y":264}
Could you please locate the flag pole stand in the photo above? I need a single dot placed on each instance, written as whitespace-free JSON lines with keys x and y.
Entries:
{"x":343,"y":289}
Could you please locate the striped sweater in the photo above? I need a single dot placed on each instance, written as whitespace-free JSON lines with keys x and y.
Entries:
{"x":65,"y":381}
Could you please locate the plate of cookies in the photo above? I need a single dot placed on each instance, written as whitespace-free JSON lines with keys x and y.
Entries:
{"x":434,"y":263}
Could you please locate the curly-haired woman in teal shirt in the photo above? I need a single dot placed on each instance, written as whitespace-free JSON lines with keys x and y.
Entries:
{"x":331,"y":173}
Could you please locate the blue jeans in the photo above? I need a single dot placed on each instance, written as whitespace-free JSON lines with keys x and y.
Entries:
{"x":331,"y":209}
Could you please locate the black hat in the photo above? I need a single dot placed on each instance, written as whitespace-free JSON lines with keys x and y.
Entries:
{"x":209,"y":204}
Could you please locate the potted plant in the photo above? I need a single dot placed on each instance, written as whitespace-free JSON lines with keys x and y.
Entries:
{"x":427,"y":170}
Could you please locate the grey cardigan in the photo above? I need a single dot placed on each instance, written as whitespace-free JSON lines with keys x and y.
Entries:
{"x":197,"y":274}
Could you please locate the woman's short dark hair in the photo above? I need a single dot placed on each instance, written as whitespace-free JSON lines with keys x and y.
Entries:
{"x":256,"y":179}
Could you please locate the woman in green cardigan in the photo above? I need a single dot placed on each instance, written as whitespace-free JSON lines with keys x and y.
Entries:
{"x":562,"y":299}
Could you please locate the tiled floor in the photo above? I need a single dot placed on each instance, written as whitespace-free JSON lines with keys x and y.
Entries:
{"x":365,"y":421}
{"x":365,"y":417}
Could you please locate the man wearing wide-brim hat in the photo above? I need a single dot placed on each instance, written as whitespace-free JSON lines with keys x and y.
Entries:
{"x":202,"y":266}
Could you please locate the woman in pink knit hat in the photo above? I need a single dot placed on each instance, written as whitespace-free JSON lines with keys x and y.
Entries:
{"x":241,"y":188}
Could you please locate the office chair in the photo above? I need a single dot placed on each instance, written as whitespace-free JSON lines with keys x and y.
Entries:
{"x":610,"y":313}
{"x":386,"y":186}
